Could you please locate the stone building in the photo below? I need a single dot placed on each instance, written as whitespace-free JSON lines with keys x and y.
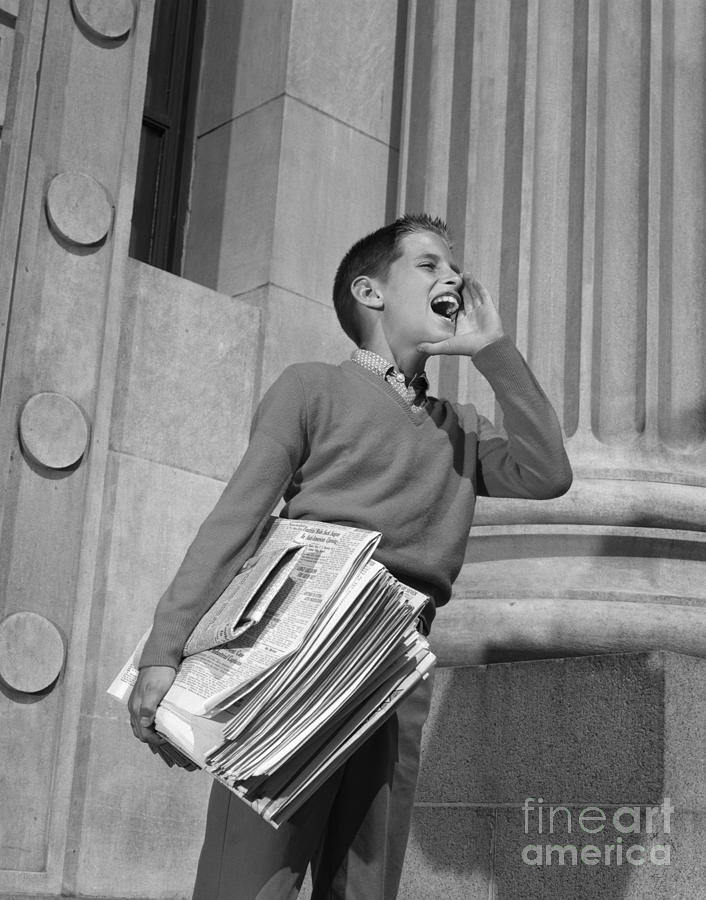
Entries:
{"x":563,"y":142}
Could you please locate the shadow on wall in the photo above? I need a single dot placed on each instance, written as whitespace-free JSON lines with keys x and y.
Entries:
{"x":505,"y":743}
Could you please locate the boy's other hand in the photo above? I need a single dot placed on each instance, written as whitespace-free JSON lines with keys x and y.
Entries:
{"x":477,"y":324}
{"x":152,"y":684}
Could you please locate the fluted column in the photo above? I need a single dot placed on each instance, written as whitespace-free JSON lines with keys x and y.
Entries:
{"x":571,"y":171}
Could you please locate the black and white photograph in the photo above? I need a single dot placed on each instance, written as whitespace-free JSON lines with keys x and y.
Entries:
{"x":352,"y":449}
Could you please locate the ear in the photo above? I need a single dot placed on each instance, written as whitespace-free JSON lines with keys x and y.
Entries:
{"x":364,"y":290}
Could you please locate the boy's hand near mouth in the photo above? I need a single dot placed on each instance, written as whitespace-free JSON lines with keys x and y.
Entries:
{"x":477,"y":324}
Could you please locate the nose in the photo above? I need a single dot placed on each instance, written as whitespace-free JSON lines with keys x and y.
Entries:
{"x":454,"y":279}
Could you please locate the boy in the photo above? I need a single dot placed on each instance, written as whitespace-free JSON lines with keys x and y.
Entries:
{"x":362,"y":444}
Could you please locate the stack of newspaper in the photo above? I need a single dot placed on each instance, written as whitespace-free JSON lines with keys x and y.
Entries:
{"x":308,"y":650}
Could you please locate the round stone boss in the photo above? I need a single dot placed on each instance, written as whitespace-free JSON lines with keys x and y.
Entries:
{"x":107,"y":19}
{"x":31,"y":652}
{"x":79,"y":208}
{"x":53,"y":430}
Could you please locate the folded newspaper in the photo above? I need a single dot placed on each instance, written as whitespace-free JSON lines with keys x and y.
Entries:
{"x":307,"y":651}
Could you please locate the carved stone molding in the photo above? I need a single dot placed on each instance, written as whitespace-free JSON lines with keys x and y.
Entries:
{"x":53,"y":430}
{"x":106,"y":19}
{"x":79,"y":208}
{"x":31,"y":652}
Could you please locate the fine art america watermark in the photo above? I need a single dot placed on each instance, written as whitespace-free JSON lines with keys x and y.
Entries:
{"x":546,"y":823}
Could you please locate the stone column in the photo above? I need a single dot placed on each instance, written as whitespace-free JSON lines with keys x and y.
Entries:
{"x":571,"y":172}
{"x":296,"y":150}
{"x":70,"y":139}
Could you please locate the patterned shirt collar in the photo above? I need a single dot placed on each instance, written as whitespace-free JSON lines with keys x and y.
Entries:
{"x":417,"y":387}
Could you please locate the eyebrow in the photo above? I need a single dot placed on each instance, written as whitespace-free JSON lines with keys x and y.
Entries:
{"x":437,"y":259}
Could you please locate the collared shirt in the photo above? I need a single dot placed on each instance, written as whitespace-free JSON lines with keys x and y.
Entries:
{"x":414,"y":394}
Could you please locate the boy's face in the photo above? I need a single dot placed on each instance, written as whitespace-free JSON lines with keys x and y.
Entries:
{"x":423,"y":273}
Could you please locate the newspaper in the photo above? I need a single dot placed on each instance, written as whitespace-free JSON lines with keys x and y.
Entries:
{"x":245,"y":600}
{"x":307,"y":651}
{"x":327,"y":557}
{"x":337,"y":674}
{"x":279,"y":802}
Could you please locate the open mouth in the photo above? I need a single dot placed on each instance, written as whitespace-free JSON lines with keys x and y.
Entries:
{"x":447,"y":306}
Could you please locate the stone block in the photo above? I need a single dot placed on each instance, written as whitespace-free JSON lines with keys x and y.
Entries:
{"x":299,"y":330}
{"x":67,"y":322}
{"x":686,"y":874}
{"x":332,"y":191}
{"x":256,"y":185}
{"x":685,"y":731}
{"x":146,"y":819}
{"x":229,"y":242}
{"x":156,"y":514}
{"x":606,"y":729}
{"x":28,"y":744}
{"x":188,"y":360}
{"x":133,"y":809}
{"x":342,"y":61}
{"x":89,"y":129}
{"x":610,"y":863}
{"x":244,"y":58}
{"x":449,"y":854}
{"x":42,"y":519}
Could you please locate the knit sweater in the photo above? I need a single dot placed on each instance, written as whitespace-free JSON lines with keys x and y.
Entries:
{"x":342,"y":446}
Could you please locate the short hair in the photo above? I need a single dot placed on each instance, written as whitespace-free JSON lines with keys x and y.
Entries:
{"x":373,"y":255}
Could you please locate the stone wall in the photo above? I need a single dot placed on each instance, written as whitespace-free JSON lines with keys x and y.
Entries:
{"x":69,"y":151}
{"x":590,"y":784}
{"x":294,"y":152}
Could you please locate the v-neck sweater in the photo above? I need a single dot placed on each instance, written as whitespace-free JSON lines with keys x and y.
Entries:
{"x":341,"y":445}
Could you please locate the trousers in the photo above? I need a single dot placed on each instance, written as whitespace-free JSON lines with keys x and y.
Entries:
{"x":353,"y":831}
